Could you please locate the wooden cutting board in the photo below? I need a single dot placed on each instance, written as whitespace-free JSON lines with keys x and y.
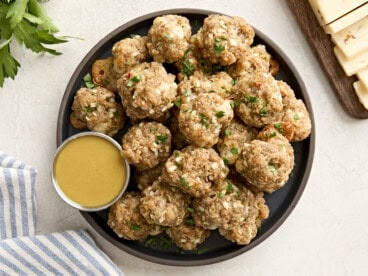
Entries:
{"x":323,"y":49}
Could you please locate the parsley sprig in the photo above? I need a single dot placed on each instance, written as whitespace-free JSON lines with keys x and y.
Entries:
{"x":25,"y":21}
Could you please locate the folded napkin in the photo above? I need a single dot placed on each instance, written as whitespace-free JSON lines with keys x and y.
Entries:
{"x":17,"y":198}
{"x":21,"y":253}
{"x":67,"y":253}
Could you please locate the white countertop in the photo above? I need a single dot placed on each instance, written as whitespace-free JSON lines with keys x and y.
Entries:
{"x":327,"y":232}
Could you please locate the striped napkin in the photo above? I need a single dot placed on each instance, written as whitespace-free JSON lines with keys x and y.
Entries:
{"x":17,"y":198}
{"x":22,"y":253}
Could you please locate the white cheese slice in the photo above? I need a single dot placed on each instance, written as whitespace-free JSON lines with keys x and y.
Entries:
{"x":352,"y":66}
{"x":347,"y":20}
{"x":362,"y":93}
{"x":363,"y":77}
{"x":327,"y":11}
{"x":353,"y":40}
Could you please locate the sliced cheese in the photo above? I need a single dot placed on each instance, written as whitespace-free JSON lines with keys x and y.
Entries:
{"x":362,"y":93}
{"x":363,"y":77}
{"x":353,"y":40}
{"x":347,"y":20}
{"x":327,"y":11}
{"x":352,"y":66}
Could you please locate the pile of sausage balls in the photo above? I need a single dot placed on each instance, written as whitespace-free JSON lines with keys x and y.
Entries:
{"x":207,"y":140}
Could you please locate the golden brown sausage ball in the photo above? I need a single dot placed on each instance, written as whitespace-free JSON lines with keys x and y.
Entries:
{"x":146,"y":145}
{"x":126,"y":220}
{"x":98,"y":110}
{"x":168,"y":38}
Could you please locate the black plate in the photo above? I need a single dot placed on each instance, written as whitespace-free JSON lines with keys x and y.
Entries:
{"x":216,"y":248}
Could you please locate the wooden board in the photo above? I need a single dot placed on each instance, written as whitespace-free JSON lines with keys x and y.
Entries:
{"x":323,"y":49}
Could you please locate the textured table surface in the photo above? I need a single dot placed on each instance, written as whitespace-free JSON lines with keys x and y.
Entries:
{"x":326,"y":234}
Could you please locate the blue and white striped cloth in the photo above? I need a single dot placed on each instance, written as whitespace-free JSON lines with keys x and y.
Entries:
{"x":21,"y":253}
{"x":17,"y":198}
{"x":66,"y":253}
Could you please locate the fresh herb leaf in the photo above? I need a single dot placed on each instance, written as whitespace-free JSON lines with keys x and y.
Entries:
{"x":184,"y":182}
{"x":273,"y":169}
{"x":8,"y":64}
{"x":161,"y":139}
{"x":158,"y":241}
{"x":263,"y":111}
{"x":278,"y":126}
{"x":88,"y":109}
{"x":230,"y":186}
{"x":234,"y":151}
{"x":218,"y":67}
{"x":227,"y":132}
{"x":204,"y":121}
{"x":135,"y":227}
{"x":221,"y":195}
{"x":177,"y":102}
{"x":226,"y":161}
{"x":153,"y":130}
{"x":190,"y":222}
{"x":202,"y":250}
{"x":27,"y":22}
{"x":272,"y":134}
{"x":169,"y":38}
{"x":219,"y":47}
{"x":251,"y":99}
{"x":220,"y":114}
{"x":190,"y":210}
{"x":235,"y":82}
{"x":134,"y":80}
{"x":225,"y":89}
{"x":188,"y":68}
{"x":37,"y":10}
{"x":16,"y":12}
{"x":87,"y":79}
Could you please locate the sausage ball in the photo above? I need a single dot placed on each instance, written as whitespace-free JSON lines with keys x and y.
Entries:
{"x":194,"y":170}
{"x":126,"y":220}
{"x":188,"y":236}
{"x":146,"y":145}
{"x":267,"y":164}
{"x":103,"y":73}
{"x":129,"y":52}
{"x":221,"y":207}
{"x":242,"y":233}
{"x":196,"y":84}
{"x":258,"y":100}
{"x":147,"y":91}
{"x":168,"y":38}
{"x":223,"y":39}
{"x":202,"y":119}
{"x":255,"y":59}
{"x":295,"y":113}
{"x":163,"y":204}
{"x":232,"y":140}
{"x":97,"y":109}
{"x":146,"y":178}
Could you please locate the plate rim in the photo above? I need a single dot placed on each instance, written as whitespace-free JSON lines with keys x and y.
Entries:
{"x":295,"y":199}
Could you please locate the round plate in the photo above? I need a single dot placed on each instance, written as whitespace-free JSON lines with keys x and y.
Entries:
{"x":215,"y":248}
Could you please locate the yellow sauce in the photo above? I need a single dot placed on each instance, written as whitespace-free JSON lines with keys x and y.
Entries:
{"x":90,"y":171}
